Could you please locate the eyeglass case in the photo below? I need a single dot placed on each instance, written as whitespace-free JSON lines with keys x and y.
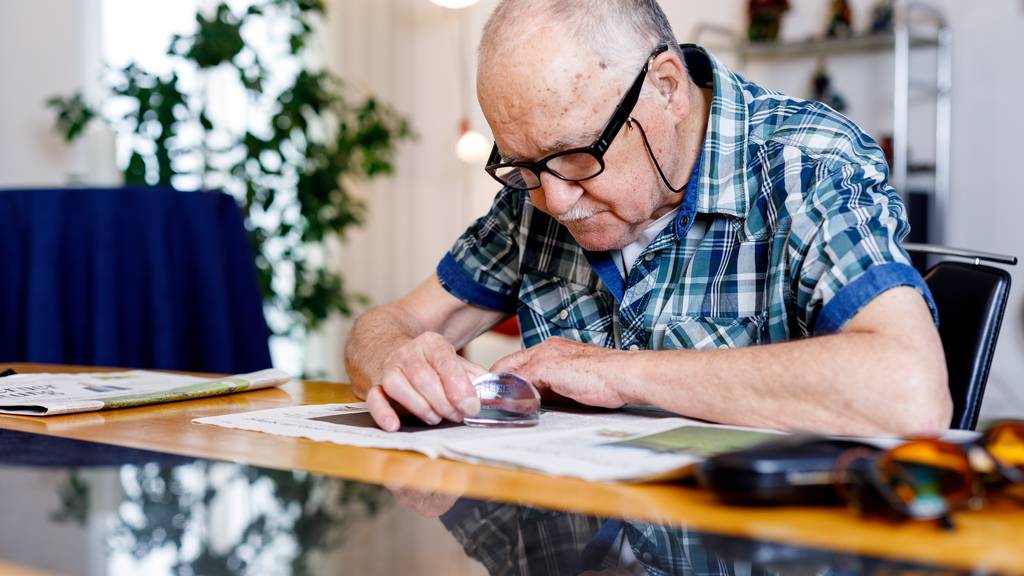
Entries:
{"x":793,"y":470}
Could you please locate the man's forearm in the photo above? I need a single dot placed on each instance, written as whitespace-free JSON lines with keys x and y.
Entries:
{"x":374,"y":337}
{"x":847,"y":383}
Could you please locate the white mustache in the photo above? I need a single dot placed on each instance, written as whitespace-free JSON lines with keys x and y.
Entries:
{"x":575,"y":214}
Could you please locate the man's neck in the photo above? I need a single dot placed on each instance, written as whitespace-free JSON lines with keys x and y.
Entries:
{"x":691,"y":134}
{"x":693,"y":130}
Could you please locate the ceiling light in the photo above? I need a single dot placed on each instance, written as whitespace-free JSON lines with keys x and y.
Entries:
{"x":473,"y":148}
{"x":454,"y":3}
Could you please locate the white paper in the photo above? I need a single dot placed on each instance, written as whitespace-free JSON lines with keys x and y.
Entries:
{"x":578,"y":444}
{"x":564,"y":443}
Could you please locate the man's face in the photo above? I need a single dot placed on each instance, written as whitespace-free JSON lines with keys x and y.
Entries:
{"x":546,"y":96}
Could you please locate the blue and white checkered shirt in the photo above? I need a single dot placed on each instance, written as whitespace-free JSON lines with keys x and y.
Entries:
{"x":788,"y":228}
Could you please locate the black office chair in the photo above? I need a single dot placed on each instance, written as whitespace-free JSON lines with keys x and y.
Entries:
{"x":971,"y":299}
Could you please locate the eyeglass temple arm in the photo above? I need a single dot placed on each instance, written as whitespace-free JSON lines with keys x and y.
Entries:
{"x":960,"y":253}
{"x":628,"y":101}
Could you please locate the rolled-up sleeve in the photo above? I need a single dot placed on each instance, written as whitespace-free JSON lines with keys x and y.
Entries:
{"x":845,"y":247}
{"x":482,"y":267}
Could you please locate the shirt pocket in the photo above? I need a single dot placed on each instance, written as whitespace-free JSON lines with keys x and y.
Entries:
{"x":704,"y":332}
{"x":566,"y":309}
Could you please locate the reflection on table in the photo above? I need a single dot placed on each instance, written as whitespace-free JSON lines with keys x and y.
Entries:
{"x":86,"y":508}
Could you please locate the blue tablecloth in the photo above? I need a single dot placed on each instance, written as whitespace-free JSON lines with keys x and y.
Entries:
{"x":133,"y":277}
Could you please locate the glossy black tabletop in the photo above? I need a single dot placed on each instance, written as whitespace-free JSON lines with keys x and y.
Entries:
{"x":75,"y":507}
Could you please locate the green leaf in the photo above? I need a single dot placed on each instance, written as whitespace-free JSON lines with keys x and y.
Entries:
{"x":73,"y":115}
{"x":135,"y":173}
{"x":217,"y":40}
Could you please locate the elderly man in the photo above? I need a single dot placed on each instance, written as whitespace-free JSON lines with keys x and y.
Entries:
{"x":668,"y":234}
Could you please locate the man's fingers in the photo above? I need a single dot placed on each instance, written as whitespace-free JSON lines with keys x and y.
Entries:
{"x":470,"y":406}
{"x":398,"y":388}
{"x":523,"y":363}
{"x":383,"y":414}
{"x":428,"y":382}
{"x":472,"y":370}
{"x":512,"y":362}
{"x":458,"y":384}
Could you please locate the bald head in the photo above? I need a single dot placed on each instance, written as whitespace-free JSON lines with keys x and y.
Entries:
{"x":620,"y":33}
{"x":543,"y":61}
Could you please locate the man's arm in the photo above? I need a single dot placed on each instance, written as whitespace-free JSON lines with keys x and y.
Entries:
{"x":404,"y":353}
{"x":884,"y":373}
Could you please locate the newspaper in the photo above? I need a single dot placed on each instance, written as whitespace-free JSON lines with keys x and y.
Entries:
{"x":51,"y":394}
{"x":592,"y":445}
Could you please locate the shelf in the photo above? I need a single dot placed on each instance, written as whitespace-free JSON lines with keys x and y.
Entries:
{"x":822,"y":47}
{"x":916,"y":27}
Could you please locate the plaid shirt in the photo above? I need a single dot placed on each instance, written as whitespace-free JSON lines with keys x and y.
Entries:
{"x":788,"y":228}
{"x":512,"y":540}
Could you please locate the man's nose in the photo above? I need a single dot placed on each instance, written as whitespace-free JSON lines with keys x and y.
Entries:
{"x":559,"y":195}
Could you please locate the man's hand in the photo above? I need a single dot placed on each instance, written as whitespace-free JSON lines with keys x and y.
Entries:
{"x":568,"y":368}
{"x":426,"y":377}
{"x":426,"y":503}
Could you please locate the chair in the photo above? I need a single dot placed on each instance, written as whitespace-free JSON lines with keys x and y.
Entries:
{"x":129,"y":277}
{"x":971,"y":299}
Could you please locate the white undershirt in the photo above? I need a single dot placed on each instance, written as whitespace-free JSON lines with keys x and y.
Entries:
{"x":626,"y":257}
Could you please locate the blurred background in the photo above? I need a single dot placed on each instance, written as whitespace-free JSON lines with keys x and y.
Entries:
{"x":390,"y":112}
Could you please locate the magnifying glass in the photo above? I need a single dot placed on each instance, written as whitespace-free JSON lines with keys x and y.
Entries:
{"x":507,"y":400}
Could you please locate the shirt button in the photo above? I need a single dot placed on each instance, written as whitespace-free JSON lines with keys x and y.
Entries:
{"x":563,"y":314}
{"x":648,"y":257}
{"x":684,"y":220}
{"x":634,"y":347}
{"x":647,"y":557}
{"x":723,"y":347}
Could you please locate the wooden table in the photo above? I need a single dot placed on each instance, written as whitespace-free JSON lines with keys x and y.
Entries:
{"x":13,"y":570}
{"x":987,"y":540}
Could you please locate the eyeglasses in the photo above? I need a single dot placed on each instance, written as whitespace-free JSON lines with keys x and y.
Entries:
{"x":927,"y":479}
{"x":575,"y":164}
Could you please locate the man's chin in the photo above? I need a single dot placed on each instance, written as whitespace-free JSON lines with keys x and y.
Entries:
{"x":597,"y":238}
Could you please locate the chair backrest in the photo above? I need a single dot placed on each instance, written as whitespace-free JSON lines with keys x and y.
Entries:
{"x":971,"y":299}
{"x":130,"y":277}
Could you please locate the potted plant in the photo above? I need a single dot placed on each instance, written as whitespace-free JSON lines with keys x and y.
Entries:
{"x":290,"y":168}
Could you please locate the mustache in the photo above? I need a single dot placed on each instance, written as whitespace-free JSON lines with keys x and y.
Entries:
{"x":575,"y":214}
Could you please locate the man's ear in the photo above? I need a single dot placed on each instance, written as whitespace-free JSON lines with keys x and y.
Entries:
{"x":672,"y":82}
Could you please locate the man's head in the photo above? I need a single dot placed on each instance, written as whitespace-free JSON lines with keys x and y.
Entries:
{"x":550,"y":75}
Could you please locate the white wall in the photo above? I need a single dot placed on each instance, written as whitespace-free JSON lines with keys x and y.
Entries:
{"x":408,"y":52}
{"x":988,"y":192}
{"x":47,"y":48}
{"x":404,"y":50}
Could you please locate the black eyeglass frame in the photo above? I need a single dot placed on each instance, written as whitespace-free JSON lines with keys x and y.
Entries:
{"x":597,"y":150}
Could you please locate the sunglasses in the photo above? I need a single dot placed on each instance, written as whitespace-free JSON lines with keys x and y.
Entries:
{"x":926,"y":479}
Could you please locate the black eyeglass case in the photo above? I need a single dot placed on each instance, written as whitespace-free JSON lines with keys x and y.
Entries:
{"x":792,"y":470}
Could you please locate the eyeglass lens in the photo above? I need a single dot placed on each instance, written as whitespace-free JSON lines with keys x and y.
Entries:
{"x":1006,"y":444}
{"x":927,"y":478}
{"x":576,"y":166}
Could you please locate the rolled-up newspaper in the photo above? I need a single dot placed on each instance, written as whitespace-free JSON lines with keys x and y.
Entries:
{"x":52,"y":394}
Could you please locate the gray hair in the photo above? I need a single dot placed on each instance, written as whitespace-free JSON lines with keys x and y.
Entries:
{"x":622,"y":33}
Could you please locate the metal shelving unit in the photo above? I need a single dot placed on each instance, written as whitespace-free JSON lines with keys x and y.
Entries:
{"x":916,"y":26}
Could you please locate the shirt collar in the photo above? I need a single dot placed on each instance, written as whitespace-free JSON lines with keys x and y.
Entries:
{"x":722,"y":179}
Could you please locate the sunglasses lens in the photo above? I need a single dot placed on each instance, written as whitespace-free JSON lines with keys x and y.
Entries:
{"x":928,"y":478}
{"x":1005,"y":443}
